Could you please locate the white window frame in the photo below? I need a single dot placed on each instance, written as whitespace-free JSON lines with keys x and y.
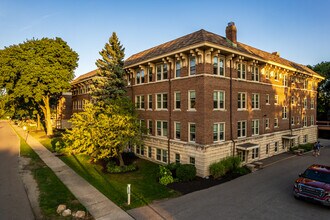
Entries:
{"x":190,"y":108}
{"x":240,"y":100}
{"x":276,"y":76}
{"x":220,"y":59}
{"x":276,"y":125}
{"x":284,"y":112}
{"x":255,"y":73}
{"x":276,"y":147}
{"x":305,"y":138}
{"x":292,"y":120}
{"x":298,"y":120}
{"x":189,"y":132}
{"x":176,"y":100}
{"x":276,"y":100}
{"x":219,"y":132}
{"x":216,"y":98}
{"x":139,"y":101}
{"x":240,"y":131}
{"x":312,"y":103}
{"x":161,"y":107}
{"x":305,"y":103}
{"x":305,"y":121}
{"x":241,"y":72}
{"x":149,"y":101}
{"x":312,"y":120}
{"x":175,"y":130}
{"x":267,"y":99}
{"x":285,"y":80}
{"x":255,"y":127}
{"x":178,"y":62}
{"x":177,"y":158}
{"x":192,"y":73}
{"x":150,"y":126}
{"x":267,"y":148}
{"x":149,"y":70}
{"x":162,"y":128}
{"x":255,"y":153}
{"x":140,"y":77}
{"x":267,"y":123}
{"x":255,"y":101}
{"x":162,"y":65}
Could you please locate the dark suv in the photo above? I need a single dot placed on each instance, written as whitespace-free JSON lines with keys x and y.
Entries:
{"x":314,"y":184}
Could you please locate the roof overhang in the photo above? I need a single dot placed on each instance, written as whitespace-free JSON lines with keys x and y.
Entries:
{"x":247,"y":146}
{"x":289,"y":136}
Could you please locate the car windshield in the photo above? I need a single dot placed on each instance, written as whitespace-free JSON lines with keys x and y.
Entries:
{"x":317,"y":175}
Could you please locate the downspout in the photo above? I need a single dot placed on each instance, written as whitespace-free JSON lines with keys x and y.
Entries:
{"x":170,"y":114}
{"x":290,"y":113}
{"x":231,"y":105}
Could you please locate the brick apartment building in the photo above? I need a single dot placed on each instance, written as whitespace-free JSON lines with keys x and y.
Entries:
{"x":204,"y":97}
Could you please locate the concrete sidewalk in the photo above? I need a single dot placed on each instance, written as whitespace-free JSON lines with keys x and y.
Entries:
{"x":98,"y":205}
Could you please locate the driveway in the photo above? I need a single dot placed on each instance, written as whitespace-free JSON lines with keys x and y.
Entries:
{"x":14,"y":203}
{"x":264,"y":194}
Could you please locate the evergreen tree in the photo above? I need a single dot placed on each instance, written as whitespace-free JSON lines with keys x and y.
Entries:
{"x":111,"y":83}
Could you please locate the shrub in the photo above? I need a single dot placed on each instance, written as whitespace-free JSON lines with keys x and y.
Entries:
{"x":227,"y":163}
{"x":186,"y":172}
{"x":113,"y":168}
{"x":173,"y":167}
{"x":242,"y":170}
{"x":236,"y":161}
{"x":165,"y":175}
{"x":217,"y":170}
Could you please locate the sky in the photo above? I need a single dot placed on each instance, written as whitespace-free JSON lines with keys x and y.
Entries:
{"x":298,"y":29}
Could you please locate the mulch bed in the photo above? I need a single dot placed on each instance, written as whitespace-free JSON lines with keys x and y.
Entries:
{"x":201,"y":183}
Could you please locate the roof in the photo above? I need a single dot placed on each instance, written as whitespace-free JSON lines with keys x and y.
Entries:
{"x":85,"y":76}
{"x":247,"y":146}
{"x":203,"y":36}
{"x":321,"y":168}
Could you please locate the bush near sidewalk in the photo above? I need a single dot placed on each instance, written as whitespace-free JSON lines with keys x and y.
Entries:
{"x":229,"y":164}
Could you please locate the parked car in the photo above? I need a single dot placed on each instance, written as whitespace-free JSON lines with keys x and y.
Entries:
{"x":314,"y":184}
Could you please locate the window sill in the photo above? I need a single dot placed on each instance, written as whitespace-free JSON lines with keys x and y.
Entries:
{"x":219,"y":110}
{"x":177,"y":110}
{"x":241,"y":109}
{"x":159,"y":110}
{"x":192,"y":110}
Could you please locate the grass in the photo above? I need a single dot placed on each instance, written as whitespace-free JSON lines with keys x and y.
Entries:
{"x":144,"y":182}
{"x":52,"y":191}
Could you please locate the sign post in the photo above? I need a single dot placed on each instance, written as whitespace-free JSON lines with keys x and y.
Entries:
{"x":128,"y":194}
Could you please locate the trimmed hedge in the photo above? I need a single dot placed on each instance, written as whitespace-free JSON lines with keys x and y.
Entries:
{"x":222,"y":167}
{"x":113,"y":168}
{"x":186,"y":172}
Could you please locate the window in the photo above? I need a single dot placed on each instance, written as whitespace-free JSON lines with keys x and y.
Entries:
{"x":162,"y":101}
{"x":192,"y":132}
{"x":255,"y":153}
{"x":285,"y":80}
{"x":305,"y":121}
{"x":267,"y":74}
{"x":298,"y":120}
{"x":241,"y":70}
{"x":150,"y":126}
{"x":150,"y":73}
{"x":140,"y":76}
{"x":255,"y":127}
{"x":312,"y":103}
{"x":218,"y":66}
{"x":192,"y":160}
{"x":177,"y":130}
{"x":276,"y":100}
{"x":218,"y":132}
{"x":150,"y":102}
{"x":276,"y":147}
{"x":276,"y":76}
{"x":255,"y":101}
{"x":177,"y":158}
{"x":192,"y":65}
{"x":177,"y":68}
{"x":241,"y":129}
{"x":192,"y":100}
{"x":241,"y":155}
{"x":149,"y":152}
{"x":255,"y":73}
{"x":292,"y":100}
{"x":266,"y":123}
{"x":161,"y":71}
{"x":218,"y":100}
{"x":267,"y":148}
{"x":305,"y":138}
{"x":306,"y":84}
{"x":139,"y":101}
{"x":312,"y":119}
{"x":161,"y":128}
{"x":161,"y":155}
{"x":177,"y":100}
{"x":305,"y":103}
{"x":292,"y":120}
{"x":284,"y":112}
{"x":275,"y":122}
{"x":241,"y":100}
{"x":142,"y":150}
{"x":267,"y":99}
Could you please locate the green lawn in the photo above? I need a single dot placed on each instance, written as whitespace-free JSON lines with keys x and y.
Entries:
{"x":144,"y":182}
{"x":52,"y":191}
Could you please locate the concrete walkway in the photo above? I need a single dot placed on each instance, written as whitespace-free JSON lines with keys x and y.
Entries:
{"x":98,"y":205}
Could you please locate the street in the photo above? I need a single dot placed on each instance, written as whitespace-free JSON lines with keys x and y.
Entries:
{"x":264,"y":194}
{"x":14,"y":203}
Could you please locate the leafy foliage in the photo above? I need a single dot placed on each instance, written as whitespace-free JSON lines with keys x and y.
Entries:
{"x":113,"y":168}
{"x":104,"y":132}
{"x":111,"y":83}
{"x":323,"y":99}
{"x":165,"y":175}
{"x":36,"y":71}
{"x":186,"y":172}
{"x":230,"y":164}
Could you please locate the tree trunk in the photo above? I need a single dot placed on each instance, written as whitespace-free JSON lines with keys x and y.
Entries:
{"x":121,"y":161}
{"x":46,"y":110}
{"x":38,"y":122}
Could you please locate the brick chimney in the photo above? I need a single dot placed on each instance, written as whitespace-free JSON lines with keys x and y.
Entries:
{"x":231,"y":32}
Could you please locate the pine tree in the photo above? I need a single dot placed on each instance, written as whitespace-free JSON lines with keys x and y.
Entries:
{"x":111,"y":83}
